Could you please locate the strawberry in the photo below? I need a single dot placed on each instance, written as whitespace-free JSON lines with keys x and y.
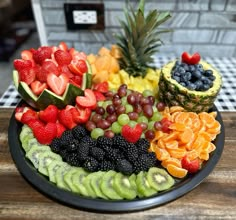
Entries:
{"x":76,"y":81}
{"x":99,"y":96}
{"x":192,"y":166}
{"x":46,"y":68}
{"x":66,"y":119}
{"x":78,"y":67}
{"x":27,"y":55}
{"x":80,"y":115}
{"x":88,"y":100}
{"x":165,"y":122}
{"x":64,"y":69}
{"x":49,"y":114}
{"x":45,"y":134}
{"x":187,"y":58}
{"x":102,"y":87}
{"x":41,"y":54}
{"x":78,"y":55}
{"x":63,"y":46}
{"x":28,"y":75}
{"x":37,"y":87}
{"x":28,"y":115}
{"x":60,"y":129}
{"x":132,"y":134}
{"x":20,"y":64}
{"x":62,"y":57}
{"x":57,"y":83}
{"x":35,"y":123}
{"x":19,"y":111}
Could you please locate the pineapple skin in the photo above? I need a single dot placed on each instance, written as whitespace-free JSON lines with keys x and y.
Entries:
{"x":172,"y":93}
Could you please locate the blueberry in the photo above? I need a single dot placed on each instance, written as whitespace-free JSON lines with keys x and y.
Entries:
{"x":197,"y":74}
{"x":191,"y":68}
{"x":177,"y":63}
{"x":177,"y":73}
{"x":198,"y":84}
{"x":181,"y":70}
{"x":183,"y":84}
{"x":185,"y":66}
{"x":199,"y":67}
{"x":186,"y":77}
{"x":208,"y":73}
{"x":212,"y":78}
{"x":191,"y":86}
{"x":205,"y":87}
{"x":177,"y":78}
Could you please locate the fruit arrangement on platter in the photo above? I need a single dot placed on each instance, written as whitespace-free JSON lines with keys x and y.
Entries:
{"x":111,"y":126}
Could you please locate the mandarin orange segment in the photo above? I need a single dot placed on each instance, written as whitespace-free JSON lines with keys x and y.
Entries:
{"x":171,"y":160}
{"x":177,"y":126}
{"x":211,"y":148}
{"x":175,"y":171}
{"x":162,"y":154}
{"x":205,"y":135}
{"x":207,"y":119}
{"x":204,"y":155}
{"x":177,"y":153}
{"x":176,"y":109}
{"x":186,"y":136}
{"x":173,"y":144}
{"x":192,"y":155}
{"x":172,"y":136}
{"x":161,"y":144}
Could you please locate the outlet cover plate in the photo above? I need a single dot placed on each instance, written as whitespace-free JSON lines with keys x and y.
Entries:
{"x":84,"y":16}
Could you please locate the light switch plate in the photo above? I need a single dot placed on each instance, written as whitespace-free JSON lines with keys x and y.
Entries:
{"x":84,"y":16}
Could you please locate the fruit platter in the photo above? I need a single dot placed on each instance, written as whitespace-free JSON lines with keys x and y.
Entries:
{"x":110,"y":132}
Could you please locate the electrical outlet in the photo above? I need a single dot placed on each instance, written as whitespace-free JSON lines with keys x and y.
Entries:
{"x":84,"y":16}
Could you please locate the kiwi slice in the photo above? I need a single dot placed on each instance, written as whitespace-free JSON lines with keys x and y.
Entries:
{"x":96,"y":182}
{"x":159,"y":179}
{"x":143,"y":186}
{"x":88,"y":186}
{"x":68,"y":179}
{"x":25,"y":132}
{"x":123,"y":186}
{"x":107,"y":185}
{"x":60,"y":172}
{"x":45,"y":159}
{"x":34,"y":152}
{"x":52,"y":168}
{"x":132,"y":180}
{"x":78,"y":181}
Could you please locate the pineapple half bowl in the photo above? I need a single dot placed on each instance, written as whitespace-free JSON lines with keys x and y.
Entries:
{"x":174,"y":93}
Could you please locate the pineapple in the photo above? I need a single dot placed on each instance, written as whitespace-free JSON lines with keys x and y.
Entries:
{"x":140,"y":39}
{"x":173,"y":93}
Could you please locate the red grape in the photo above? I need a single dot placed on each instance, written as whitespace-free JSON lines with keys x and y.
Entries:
{"x":149,"y":134}
{"x":160,"y":106}
{"x":147,"y":110}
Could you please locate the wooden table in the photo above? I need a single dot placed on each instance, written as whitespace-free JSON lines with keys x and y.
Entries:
{"x":214,"y":198}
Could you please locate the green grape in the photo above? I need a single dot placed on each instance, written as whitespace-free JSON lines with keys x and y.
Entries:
{"x":100,"y":103}
{"x":157,"y":116}
{"x":142,"y":135}
{"x":154,"y":108}
{"x":96,"y":132}
{"x":151,"y":125}
{"x":143,"y":119}
{"x":147,"y":93}
{"x":129,"y":108}
{"x":124,"y":100}
{"x":116,"y":127}
{"x":132,"y":123}
{"x":106,"y":103}
{"x":123,"y":119}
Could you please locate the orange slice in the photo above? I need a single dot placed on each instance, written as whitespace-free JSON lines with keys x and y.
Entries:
{"x":176,"y":171}
{"x":171,"y":160}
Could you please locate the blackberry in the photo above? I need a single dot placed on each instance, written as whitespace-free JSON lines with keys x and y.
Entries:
{"x":142,"y":145}
{"x":104,"y":142}
{"x":88,"y":140}
{"x":124,"y":166}
{"x":131,"y":152}
{"x":83,"y":151}
{"x":73,"y":145}
{"x":66,"y":137}
{"x":79,"y":132}
{"x":106,"y":165}
{"x":97,"y":153}
{"x":119,"y":142}
{"x":63,"y":154}
{"x":144,"y":162}
{"x":91,"y":164}
{"x":55,"y":145}
{"x":113,"y":154}
{"x":73,"y":159}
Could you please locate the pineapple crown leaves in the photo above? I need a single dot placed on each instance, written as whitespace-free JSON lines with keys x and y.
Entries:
{"x":140,"y":38}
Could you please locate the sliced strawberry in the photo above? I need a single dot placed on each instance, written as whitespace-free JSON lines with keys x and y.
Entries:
{"x":191,"y":59}
{"x":57,"y":83}
{"x":27,"y":75}
{"x":20,"y":64}
{"x":49,"y":114}
{"x":78,"y":67}
{"x":19,"y":111}
{"x":102,"y":87}
{"x":99,"y":96}
{"x":63,"y":46}
{"x":88,"y":100}
{"x":65,"y":69}
{"x":80,"y":115}
{"x":41,"y":54}
{"x":29,"y":115}
{"x":66,"y":119}
{"x":132,"y":134}
{"x":192,"y":166}
{"x":79,"y":55}
{"x":60,"y":129}
{"x":76,"y":81}
{"x":27,"y":55}
{"x":37,"y":87}
{"x":45,"y":134}
{"x":47,"y":67}
{"x":35,"y":124}
{"x":62,"y":57}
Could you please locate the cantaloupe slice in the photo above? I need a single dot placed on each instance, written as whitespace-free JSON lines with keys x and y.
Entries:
{"x":101,"y":76}
{"x":104,"y":51}
{"x":103,"y":63}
